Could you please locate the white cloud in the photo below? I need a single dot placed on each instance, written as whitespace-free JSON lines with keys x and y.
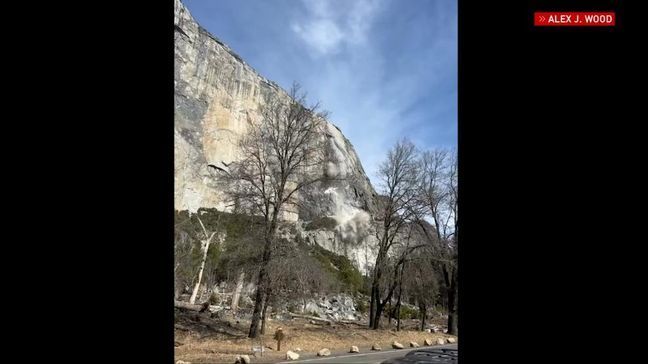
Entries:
{"x":328,"y":25}
{"x":359,"y":19}
{"x":323,"y":35}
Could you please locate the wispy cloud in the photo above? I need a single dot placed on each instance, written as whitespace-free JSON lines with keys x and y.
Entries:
{"x":326,"y":26}
{"x":323,"y":35}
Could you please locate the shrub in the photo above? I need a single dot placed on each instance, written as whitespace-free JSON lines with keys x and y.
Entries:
{"x":408,"y":313}
{"x":361,"y":306}
{"x":341,"y":267}
{"x":213,"y":299}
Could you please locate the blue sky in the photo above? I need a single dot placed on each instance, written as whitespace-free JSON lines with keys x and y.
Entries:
{"x":385,"y":69}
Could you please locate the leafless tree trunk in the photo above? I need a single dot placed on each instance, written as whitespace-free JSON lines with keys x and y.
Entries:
{"x":372,"y":305}
{"x":318,"y":319}
{"x":453,"y":305}
{"x":400,"y":295}
{"x":266,"y":303}
{"x":453,"y":317}
{"x":283,"y":152}
{"x":439,"y":195}
{"x":399,"y":178}
{"x":188,"y":306}
{"x":261,"y":289}
{"x":423,"y":312}
{"x":205,"y":246}
{"x":237,"y":291}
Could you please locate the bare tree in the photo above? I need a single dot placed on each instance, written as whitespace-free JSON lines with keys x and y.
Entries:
{"x":398,"y":175}
{"x":282,"y":153}
{"x":206,"y":241}
{"x":422,"y":282}
{"x":192,"y":253}
{"x":304,"y":277}
{"x":439,"y":195}
{"x":452,"y":247}
{"x":240,"y":280}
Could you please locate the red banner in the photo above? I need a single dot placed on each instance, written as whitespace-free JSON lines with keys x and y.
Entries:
{"x":574,"y":19}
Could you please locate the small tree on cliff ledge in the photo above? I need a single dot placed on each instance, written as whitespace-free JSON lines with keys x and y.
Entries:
{"x":283,"y":151}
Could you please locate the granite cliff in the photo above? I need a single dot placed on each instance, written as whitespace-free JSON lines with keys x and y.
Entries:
{"x":216,"y":93}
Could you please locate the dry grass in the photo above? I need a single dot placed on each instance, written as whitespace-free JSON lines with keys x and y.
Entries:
{"x":223,"y":348}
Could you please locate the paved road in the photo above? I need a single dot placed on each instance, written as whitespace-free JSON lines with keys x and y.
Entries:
{"x":374,"y":357}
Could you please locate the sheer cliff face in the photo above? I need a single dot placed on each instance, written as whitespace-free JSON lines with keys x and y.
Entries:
{"x":216,"y":93}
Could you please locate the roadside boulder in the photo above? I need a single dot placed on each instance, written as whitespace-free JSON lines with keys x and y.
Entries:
{"x":324,"y":352}
{"x":414,"y":344}
{"x":452,"y":340}
{"x":242,"y":359}
{"x":375,"y":347}
{"x":397,"y":345}
{"x":291,"y":355}
{"x":427,"y":342}
{"x":440,"y":341}
{"x":354,"y":349}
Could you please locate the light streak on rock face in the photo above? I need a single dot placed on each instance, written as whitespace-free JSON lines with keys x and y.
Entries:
{"x":353,"y":223}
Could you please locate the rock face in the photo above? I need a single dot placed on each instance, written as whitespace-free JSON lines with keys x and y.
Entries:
{"x":216,"y":95}
{"x":335,"y":307}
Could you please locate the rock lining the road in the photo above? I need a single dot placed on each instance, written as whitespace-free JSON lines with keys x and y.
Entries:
{"x":291,"y":355}
{"x":242,"y":359}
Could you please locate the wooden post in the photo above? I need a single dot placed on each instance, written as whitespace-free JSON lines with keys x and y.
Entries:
{"x":279,"y":335}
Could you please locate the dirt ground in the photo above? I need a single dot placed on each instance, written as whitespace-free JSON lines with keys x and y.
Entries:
{"x":200,"y":339}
